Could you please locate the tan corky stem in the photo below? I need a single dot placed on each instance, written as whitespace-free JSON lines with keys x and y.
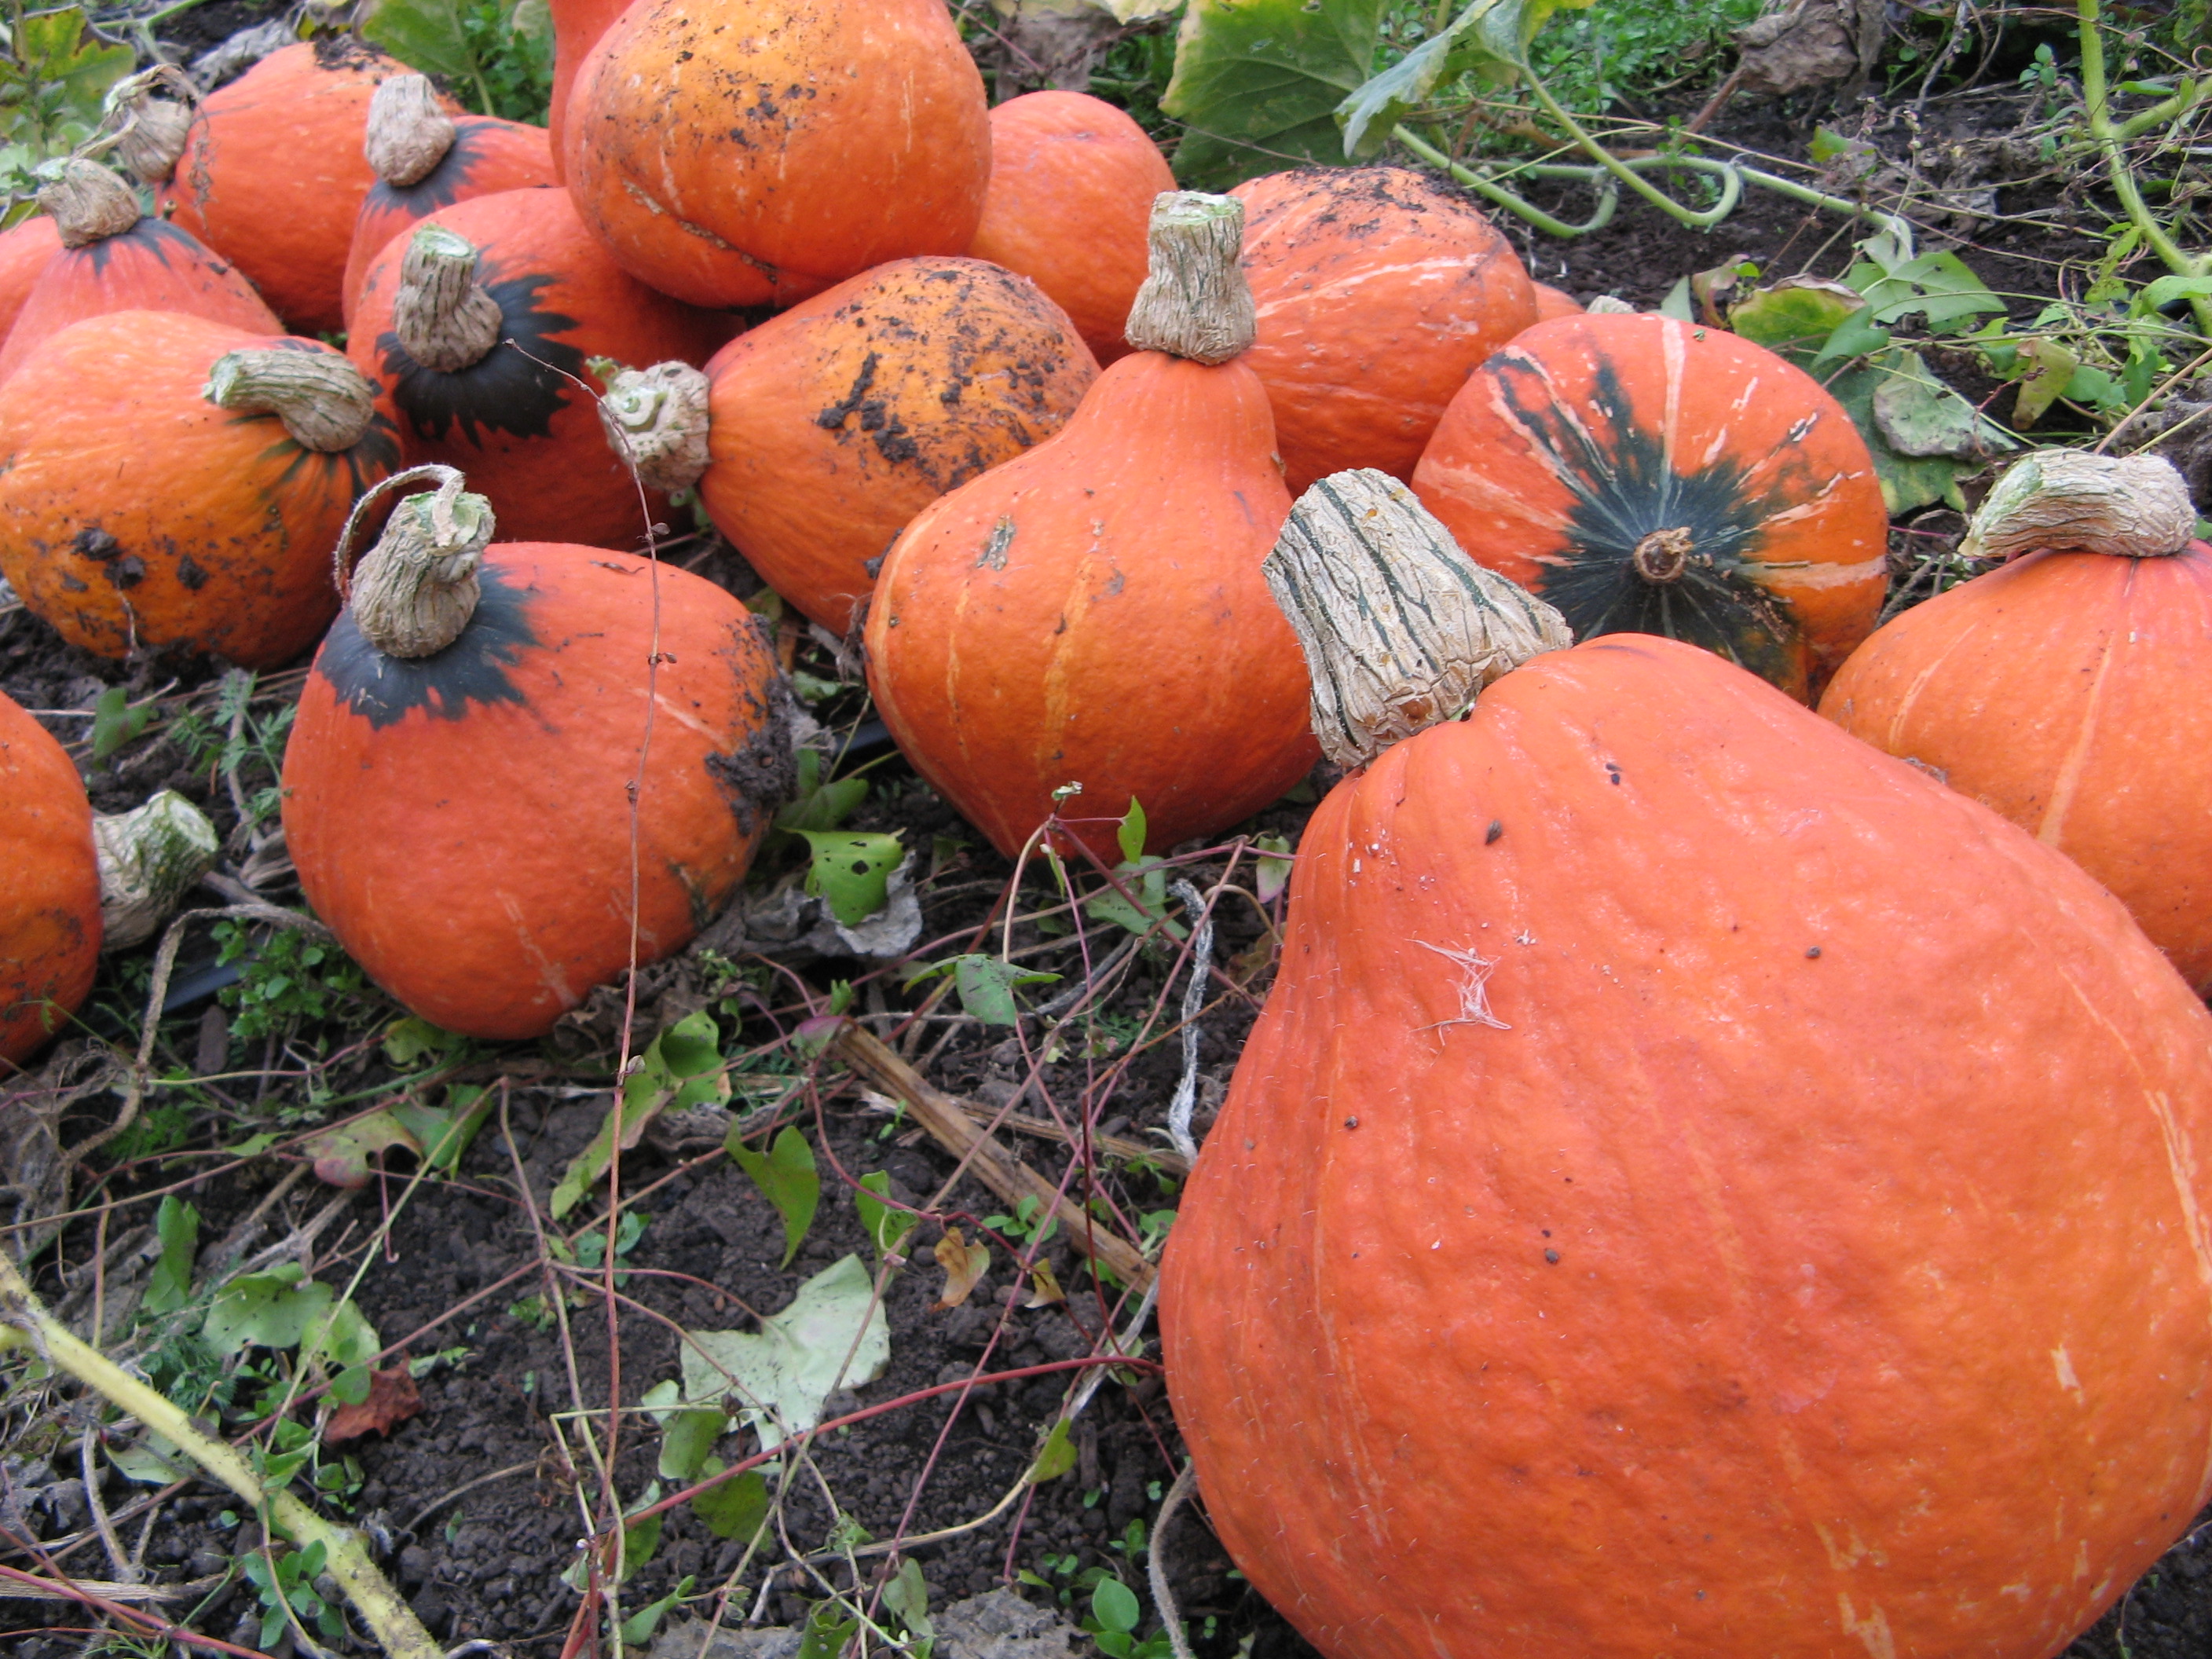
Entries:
{"x":154,"y":108}
{"x":442,"y":316}
{"x":1401,"y":628}
{"x":657,"y":418}
{"x":1195,"y":303}
{"x":417,"y":588}
{"x":89,"y":203}
{"x":324,"y":401}
{"x":409,"y":132}
{"x":150,"y":857}
{"x":2134,"y":506}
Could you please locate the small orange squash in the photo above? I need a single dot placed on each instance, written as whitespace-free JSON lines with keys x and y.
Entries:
{"x":1378,"y":289}
{"x":750,"y":152}
{"x":1647,"y":476}
{"x":1695,"y":1185}
{"x":244,"y":455}
{"x":1073,"y":183}
{"x":1092,"y":612}
{"x":1554,"y":302}
{"x":50,"y":901}
{"x":112,"y":258}
{"x":577,"y":26}
{"x":458,"y":785}
{"x":25,"y":250}
{"x":2071,"y":691}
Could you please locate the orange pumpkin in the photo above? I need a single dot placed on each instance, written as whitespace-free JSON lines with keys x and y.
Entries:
{"x":1378,"y":289}
{"x":1648,"y":475}
{"x":464,"y":817}
{"x":1073,"y":181}
{"x":50,"y":902}
{"x":577,"y":26}
{"x":831,"y":425}
{"x":25,"y":250}
{"x":2071,"y":690}
{"x":489,"y":376}
{"x":1554,"y":302}
{"x":748,"y":152}
{"x":244,"y":455}
{"x":114,"y":258}
{"x":1092,"y":612}
{"x":1695,"y":1186}
{"x":272,"y":176}
{"x":425,"y":159}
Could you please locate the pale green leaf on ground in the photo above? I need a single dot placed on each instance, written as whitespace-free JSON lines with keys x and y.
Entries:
{"x":833,"y":1335}
{"x":346,"y":1156}
{"x":273,"y":1308}
{"x":787,"y":1177}
{"x":169,"y":1285}
{"x":886,"y":1225}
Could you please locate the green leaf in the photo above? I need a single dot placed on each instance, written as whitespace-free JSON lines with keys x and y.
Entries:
{"x":736,"y":1509}
{"x":1271,"y":870}
{"x":785,"y":1175}
{"x":60,"y":77}
{"x":424,"y":34}
{"x":2049,"y":369}
{"x":852,"y":871}
{"x":907,"y":1596}
{"x":985,"y":985}
{"x":1908,"y":481}
{"x":1141,"y":902}
{"x":343,"y":1336}
{"x":446,"y":1132}
{"x":1129,"y":834}
{"x":1490,"y":39}
{"x":1114,"y":1605}
{"x":345,"y":1157}
{"x":638,"y":1628}
{"x":826,"y":1634}
{"x":1796,"y":317}
{"x":834,"y":1334}
{"x":681,"y":1067}
{"x":1938,"y":286}
{"x":273,"y":1308}
{"x":169,"y":1285}
{"x":820,"y":805}
{"x":885,"y":1224}
{"x":351,"y":1386}
{"x":686,"y":1440}
{"x":414,"y":1039}
{"x":115,"y":722}
{"x":1676,"y":302}
{"x":1257,"y":84}
{"x":1055,"y":1457}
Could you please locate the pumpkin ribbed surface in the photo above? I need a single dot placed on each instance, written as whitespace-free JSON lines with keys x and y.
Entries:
{"x":2072,"y":693}
{"x":749,"y":152}
{"x":1648,"y":475}
{"x":1378,"y":289}
{"x":462,"y":820}
{"x":50,"y":901}
{"x":831,"y":425}
{"x":1698,"y":1187}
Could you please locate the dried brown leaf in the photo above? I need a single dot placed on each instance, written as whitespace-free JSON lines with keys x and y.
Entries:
{"x":393,"y":1399}
{"x":964,"y":1264}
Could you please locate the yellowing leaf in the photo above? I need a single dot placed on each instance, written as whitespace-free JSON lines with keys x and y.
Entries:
{"x":964,"y":1264}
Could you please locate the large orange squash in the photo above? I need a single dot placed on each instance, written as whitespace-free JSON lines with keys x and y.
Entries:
{"x":272,"y":176}
{"x":1378,"y":290}
{"x":1648,"y":475}
{"x":481,"y":324}
{"x":458,"y":786}
{"x":749,"y":152}
{"x":1092,"y":612}
{"x":828,"y":427}
{"x":1072,"y":182}
{"x":171,"y":483}
{"x":2071,"y":690}
{"x":112,"y":258}
{"x":1698,"y":1187}
{"x":424,"y":160}
{"x":50,"y":901}
{"x":577,"y":26}
{"x":25,"y":249}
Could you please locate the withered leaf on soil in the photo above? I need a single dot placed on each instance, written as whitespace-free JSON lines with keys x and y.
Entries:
{"x":964,"y":1264}
{"x":393,"y":1399}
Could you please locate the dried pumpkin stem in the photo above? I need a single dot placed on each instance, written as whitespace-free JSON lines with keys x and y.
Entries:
{"x":1662,"y":556}
{"x":2134,"y":506}
{"x":150,"y":857}
{"x":325,"y":402}
{"x":442,"y":315}
{"x":1195,"y":303}
{"x":89,"y":203}
{"x":1401,"y":628}
{"x":656,"y":419}
{"x":150,"y":114}
{"x":409,"y":132}
{"x":417,"y":588}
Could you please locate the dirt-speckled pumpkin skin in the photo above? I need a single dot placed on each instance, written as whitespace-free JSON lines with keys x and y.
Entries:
{"x":522,"y":423}
{"x":464,"y":821}
{"x":1377,"y":289}
{"x":487,"y":155}
{"x":152,"y":266}
{"x":50,"y":895}
{"x":133,"y":512}
{"x":2072,"y":693}
{"x":832,"y":424}
{"x":753,"y":152}
{"x":1587,"y":434}
{"x":272,"y":175}
{"x":1698,"y":1187}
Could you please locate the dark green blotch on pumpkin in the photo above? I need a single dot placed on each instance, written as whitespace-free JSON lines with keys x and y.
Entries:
{"x":517,"y":388}
{"x":471,"y":672}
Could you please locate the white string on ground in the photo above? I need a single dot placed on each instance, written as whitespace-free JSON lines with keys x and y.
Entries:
{"x":1194,"y":999}
{"x":1163,"y":1601}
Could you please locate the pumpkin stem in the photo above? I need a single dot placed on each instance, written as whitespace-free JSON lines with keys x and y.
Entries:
{"x":1401,"y":628}
{"x":408,"y":132}
{"x":2133,"y":507}
{"x":89,"y":203}
{"x":156,"y":107}
{"x":1195,"y":303}
{"x":442,"y":315}
{"x":150,"y":857}
{"x":656,"y":419}
{"x":325,"y":402}
{"x":1662,"y":556}
{"x":417,"y":588}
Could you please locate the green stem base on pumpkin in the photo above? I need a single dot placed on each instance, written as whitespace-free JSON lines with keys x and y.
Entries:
{"x":26,"y":1323}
